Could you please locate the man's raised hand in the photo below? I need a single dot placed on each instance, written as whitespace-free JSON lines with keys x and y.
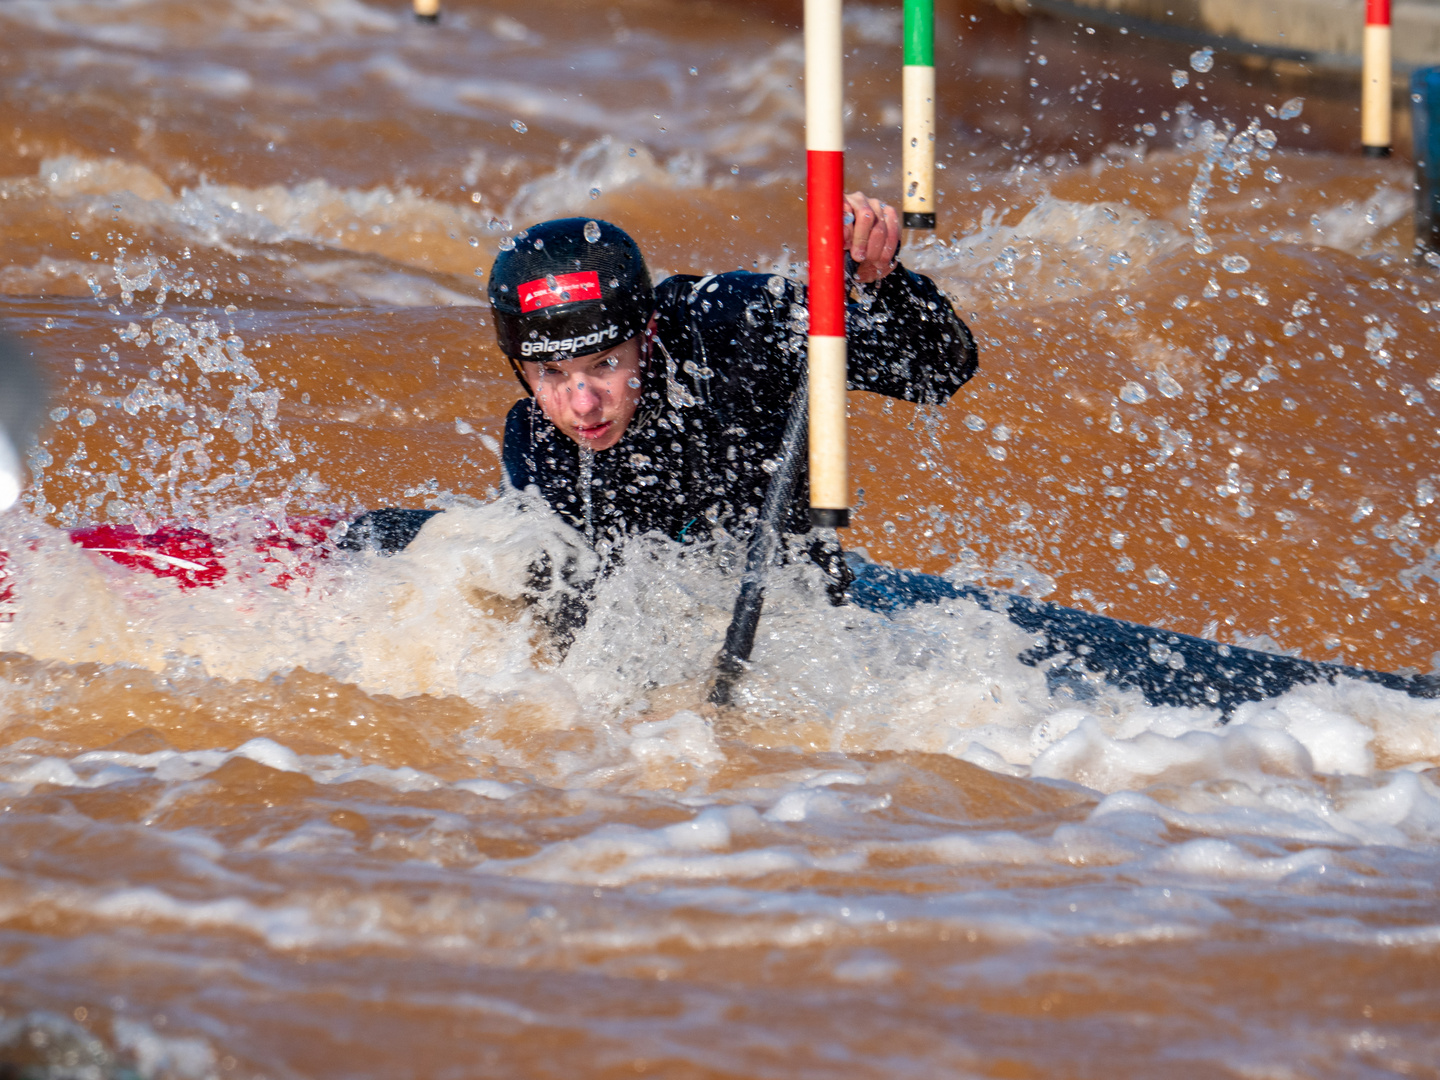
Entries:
{"x":872,"y":235}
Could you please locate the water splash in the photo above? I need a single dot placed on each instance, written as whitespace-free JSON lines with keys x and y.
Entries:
{"x":1230,"y":154}
{"x":587,"y":484}
{"x":212,"y":422}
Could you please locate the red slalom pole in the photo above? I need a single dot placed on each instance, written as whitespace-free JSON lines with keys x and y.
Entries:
{"x":819,"y":403}
{"x":825,"y":198}
{"x":1375,"y":80}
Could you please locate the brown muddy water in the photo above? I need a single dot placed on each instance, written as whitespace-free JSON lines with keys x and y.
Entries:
{"x":364,"y":827}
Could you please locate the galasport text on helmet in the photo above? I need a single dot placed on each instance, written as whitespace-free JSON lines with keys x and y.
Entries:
{"x":567,"y":288}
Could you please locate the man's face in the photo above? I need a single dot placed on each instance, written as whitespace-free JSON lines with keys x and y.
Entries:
{"x":591,"y":398}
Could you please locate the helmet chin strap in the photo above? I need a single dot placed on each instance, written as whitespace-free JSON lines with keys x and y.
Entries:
{"x":515,"y":367}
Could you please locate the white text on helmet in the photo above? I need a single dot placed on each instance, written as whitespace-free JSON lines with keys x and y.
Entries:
{"x":569,"y":344}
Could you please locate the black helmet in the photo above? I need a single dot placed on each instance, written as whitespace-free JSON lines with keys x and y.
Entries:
{"x":569,"y":287}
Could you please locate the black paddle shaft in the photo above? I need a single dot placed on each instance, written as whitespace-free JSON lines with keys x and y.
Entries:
{"x":740,"y":637}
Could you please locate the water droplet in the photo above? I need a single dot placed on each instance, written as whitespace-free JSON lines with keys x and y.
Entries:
{"x":1236,"y":264}
{"x":776,"y":286}
{"x":86,"y":417}
{"x":1156,"y":576}
{"x":974,"y":423}
{"x":1202,"y":60}
{"x":633,"y":382}
{"x":632,"y":151}
{"x":594,"y":192}
{"x":1001,"y":433}
{"x":539,"y":243}
{"x":999,"y":453}
{"x":59,"y":414}
{"x":1180,"y":78}
{"x":479,"y":271}
{"x":507,"y":243}
{"x":1168,"y":386}
{"x":592,"y":231}
{"x":1273,"y":175}
{"x":519,"y":126}
{"x":474,"y":241}
{"x":1292,"y":108}
{"x":1148,"y":130}
{"x":1133,"y":393}
{"x":694,"y":71}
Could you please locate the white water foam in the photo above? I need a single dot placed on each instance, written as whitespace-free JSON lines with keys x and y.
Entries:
{"x":1325,"y":765}
{"x":152,"y":26}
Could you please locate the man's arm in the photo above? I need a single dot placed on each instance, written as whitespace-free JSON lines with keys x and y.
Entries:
{"x":905,"y":340}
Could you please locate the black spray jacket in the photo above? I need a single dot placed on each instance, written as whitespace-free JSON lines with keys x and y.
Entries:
{"x":731,"y":348}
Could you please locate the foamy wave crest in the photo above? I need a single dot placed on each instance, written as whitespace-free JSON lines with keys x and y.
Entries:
{"x":153,"y":25}
{"x":1059,"y":251}
{"x":604,"y":165}
{"x":1323,"y":765}
{"x":1357,"y":226}
{"x":392,"y":241}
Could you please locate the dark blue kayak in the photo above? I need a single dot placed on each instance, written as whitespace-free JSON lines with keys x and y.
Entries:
{"x":1082,"y":649}
{"x":1086,"y":649}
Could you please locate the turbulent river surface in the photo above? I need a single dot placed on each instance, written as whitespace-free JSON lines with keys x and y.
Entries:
{"x":366,"y":824}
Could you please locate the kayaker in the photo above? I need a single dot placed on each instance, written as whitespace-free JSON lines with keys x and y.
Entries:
{"x":677,"y":394}
{"x":661,"y":408}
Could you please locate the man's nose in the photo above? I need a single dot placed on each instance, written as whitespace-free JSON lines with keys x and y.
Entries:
{"x":584,"y":397}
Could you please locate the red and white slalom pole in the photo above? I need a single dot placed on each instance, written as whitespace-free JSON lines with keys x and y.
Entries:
{"x":825,"y":198}
{"x":1375,"y":79}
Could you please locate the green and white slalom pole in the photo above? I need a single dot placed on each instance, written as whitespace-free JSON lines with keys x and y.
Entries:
{"x":825,"y":199}
{"x":918,"y":127}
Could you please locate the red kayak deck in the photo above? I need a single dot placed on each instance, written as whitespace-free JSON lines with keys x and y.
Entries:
{"x":193,"y":559}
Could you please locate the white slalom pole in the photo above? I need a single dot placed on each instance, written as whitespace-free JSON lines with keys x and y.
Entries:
{"x":1375,"y":80}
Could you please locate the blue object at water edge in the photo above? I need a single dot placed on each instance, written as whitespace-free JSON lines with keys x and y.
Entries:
{"x":1425,"y":112}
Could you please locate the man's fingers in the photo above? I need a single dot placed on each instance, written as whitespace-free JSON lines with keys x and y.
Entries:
{"x":872,"y":235}
{"x":879,"y":237}
{"x":892,"y":235}
{"x":865,"y":218}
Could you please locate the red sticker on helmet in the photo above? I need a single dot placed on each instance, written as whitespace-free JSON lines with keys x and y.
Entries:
{"x":559,"y":289}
